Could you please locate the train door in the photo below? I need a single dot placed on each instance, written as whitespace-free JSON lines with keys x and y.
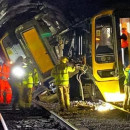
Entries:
{"x":104,"y":56}
{"x":123,"y":41}
{"x":124,"y":33}
{"x":33,"y":39}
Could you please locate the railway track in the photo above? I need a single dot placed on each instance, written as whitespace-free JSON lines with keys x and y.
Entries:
{"x":36,"y":118}
{"x":3,"y":125}
{"x":118,"y":106}
{"x":56,"y":117}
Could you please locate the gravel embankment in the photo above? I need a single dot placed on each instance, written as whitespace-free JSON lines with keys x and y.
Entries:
{"x":86,"y":118}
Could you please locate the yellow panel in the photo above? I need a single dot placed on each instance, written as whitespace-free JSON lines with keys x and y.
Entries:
{"x":110,"y":91}
{"x":38,"y":50}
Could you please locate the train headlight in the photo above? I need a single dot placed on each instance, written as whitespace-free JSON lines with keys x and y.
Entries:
{"x":106,"y":73}
{"x":18,"y":72}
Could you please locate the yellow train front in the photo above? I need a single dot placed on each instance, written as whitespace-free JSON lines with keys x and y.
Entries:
{"x":109,"y":58}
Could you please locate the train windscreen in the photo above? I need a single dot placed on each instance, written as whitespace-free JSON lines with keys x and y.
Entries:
{"x":104,"y":45}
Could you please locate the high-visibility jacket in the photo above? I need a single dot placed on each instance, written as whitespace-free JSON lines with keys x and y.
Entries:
{"x":127,"y":76}
{"x":35,"y":77}
{"x":61,"y":74}
{"x":124,"y":42}
{"x":28,"y":78}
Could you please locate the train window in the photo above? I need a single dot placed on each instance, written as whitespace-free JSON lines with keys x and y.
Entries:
{"x":104,"y":35}
{"x":13,"y":50}
{"x":104,"y":39}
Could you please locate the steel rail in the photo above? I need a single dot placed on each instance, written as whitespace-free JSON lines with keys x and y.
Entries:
{"x":120,"y":108}
{"x":117,"y":107}
{"x":3,"y":122}
{"x":59,"y":119}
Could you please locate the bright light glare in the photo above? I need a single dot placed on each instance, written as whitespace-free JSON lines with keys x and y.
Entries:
{"x":11,"y":62}
{"x":104,"y":107}
{"x":114,"y":97}
{"x":128,"y":27}
{"x":18,"y":71}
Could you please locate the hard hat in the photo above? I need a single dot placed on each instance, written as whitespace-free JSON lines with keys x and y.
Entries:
{"x":64,"y":59}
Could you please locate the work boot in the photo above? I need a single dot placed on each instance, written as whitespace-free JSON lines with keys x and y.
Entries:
{"x":61,"y":110}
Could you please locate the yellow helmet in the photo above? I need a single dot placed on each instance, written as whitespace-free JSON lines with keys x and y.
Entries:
{"x":64,"y":59}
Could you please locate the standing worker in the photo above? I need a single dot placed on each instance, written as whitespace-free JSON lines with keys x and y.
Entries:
{"x":124,"y":46}
{"x":126,"y":103}
{"x":5,"y":88}
{"x":61,"y":76}
{"x":16,"y":77}
{"x":23,"y":83}
{"x":27,"y":84}
{"x":36,"y":80}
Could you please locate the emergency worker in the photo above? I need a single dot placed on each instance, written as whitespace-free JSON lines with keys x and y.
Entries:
{"x":24,"y":84}
{"x":35,"y":78}
{"x":124,"y":45}
{"x":5,"y":88}
{"x":27,"y":84}
{"x":15,"y":82}
{"x":124,"y":42}
{"x":61,"y":76}
{"x":126,"y":103}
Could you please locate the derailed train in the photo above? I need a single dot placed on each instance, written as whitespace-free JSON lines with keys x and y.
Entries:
{"x":94,"y":44}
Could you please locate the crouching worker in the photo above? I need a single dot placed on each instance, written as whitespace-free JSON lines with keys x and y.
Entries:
{"x":126,"y":103}
{"x":61,"y":76}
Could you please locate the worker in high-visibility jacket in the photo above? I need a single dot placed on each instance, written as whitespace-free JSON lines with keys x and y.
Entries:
{"x":23,"y":82}
{"x":126,"y":103}
{"x":5,"y":88}
{"x":124,"y":46}
{"x":16,"y":77}
{"x":61,"y":76}
{"x":36,"y":79}
{"x":27,"y":86}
